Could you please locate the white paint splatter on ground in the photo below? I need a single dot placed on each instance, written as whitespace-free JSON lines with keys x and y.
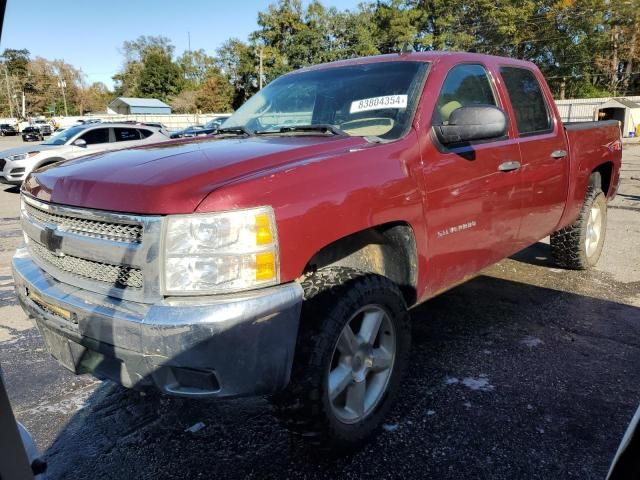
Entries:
{"x":532,"y":342}
{"x":480,"y":383}
{"x":390,"y":427}
{"x":431,"y":412}
{"x":195,"y":427}
{"x":451,"y":380}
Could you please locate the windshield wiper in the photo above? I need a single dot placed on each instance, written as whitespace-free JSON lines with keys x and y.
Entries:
{"x":235,"y":130}
{"x":320,"y":127}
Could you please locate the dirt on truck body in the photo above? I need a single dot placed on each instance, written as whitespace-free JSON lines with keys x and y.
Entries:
{"x":280,"y":255}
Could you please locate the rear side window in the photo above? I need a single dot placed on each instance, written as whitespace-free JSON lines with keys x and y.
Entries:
{"x":126,"y":134}
{"x":529,"y":105}
{"x":98,"y":135}
{"x":464,"y":86}
{"x":145,"y":133}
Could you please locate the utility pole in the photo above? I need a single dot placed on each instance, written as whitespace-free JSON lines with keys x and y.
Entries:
{"x":6,"y":76}
{"x":260,"y":70}
{"x":189,"y":40}
{"x":62,"y":84}
{"x":24,"y":110}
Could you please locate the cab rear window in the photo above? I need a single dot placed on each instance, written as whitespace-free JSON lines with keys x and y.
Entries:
{"x":529,"y":105}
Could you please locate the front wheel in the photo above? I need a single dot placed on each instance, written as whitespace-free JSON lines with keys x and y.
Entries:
{"x":352,"y":351}
{"x":579,"y":245}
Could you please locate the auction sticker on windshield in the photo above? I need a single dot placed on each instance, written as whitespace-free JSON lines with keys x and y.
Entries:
{"x":378,"y":103}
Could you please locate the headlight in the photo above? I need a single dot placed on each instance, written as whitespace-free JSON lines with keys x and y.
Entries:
{"x":220,"y":252}
{"x":21,"y":156}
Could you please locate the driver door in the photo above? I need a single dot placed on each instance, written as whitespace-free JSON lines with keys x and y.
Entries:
{"x":472,"y":201}
{"x":98,"y":140}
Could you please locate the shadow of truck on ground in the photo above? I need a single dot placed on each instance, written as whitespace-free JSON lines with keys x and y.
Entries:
{"x":507,"y":380}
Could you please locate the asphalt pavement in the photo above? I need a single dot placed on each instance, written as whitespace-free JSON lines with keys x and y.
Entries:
{"x":527,"y":371}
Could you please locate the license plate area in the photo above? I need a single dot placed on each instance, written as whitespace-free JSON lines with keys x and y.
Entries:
{"x":58,"y":312}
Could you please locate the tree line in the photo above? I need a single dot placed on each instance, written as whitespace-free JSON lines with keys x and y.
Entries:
{"x":585,"y":48}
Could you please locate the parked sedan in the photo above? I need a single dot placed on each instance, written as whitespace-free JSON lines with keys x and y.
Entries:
{"x":197,"y":130}
{"x":30,"y":134}
{"x":6,"y":129}
{"x":192,"y":131}
{"x":17,"y":163}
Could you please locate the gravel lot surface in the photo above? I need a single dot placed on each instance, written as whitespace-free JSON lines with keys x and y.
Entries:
{"x":527,"y":371}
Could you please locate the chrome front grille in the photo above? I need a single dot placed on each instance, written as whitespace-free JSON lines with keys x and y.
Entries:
{"x":118,"y":232}
{"x":117,"y":275}
{"x":110,"y":253}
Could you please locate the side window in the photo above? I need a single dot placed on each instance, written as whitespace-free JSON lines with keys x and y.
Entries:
{"x":126,"y":134}
{"x":145,"y":133}
{"x":465,"y":85}
{"x":529,"y":105}
{"x":97,"y":135}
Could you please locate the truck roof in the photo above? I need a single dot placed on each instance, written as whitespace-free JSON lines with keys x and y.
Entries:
{"x":417,"y":57}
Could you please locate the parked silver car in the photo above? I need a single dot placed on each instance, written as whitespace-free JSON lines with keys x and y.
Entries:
{"x":17,"y":163}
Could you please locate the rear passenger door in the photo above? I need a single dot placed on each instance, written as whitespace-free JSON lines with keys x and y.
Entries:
{"x":473,"y":206}
{"x":544,"y":153}
{"x":126,"y":137}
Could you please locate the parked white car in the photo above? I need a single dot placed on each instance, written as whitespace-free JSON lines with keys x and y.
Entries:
{"x":73,"y":142}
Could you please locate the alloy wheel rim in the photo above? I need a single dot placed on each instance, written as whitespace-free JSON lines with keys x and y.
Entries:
{"x":361,"y":364}
{"x":594,"y":229}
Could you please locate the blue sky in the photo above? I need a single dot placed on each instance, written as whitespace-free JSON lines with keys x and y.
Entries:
{"x":88,"y":33}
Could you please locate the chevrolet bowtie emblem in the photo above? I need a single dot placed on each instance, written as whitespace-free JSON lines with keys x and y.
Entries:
{"x":51,"y":239}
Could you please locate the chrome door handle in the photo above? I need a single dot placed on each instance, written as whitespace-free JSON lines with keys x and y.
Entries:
{"x":559,"y":154}
{"x":509,"y":166}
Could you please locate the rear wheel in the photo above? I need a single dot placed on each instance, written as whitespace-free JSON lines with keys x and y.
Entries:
{"x":579,"y":245}
{"x":352,"y":351}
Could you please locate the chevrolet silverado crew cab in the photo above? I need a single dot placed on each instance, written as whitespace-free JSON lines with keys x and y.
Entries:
{"x":17,"y":163}
{"x":280,"y":256}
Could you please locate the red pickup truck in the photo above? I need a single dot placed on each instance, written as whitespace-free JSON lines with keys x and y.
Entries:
{"x":280,"y":255}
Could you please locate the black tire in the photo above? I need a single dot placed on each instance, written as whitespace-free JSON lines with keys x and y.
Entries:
{"x":332,"y":297}
{"x":568,"y":245}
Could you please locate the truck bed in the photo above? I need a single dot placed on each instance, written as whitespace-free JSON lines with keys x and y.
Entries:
{"x":589,"y":144}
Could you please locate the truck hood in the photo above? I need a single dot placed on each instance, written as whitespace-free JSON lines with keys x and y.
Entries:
{"x":173,"y":177}
{"x":26,"y":149}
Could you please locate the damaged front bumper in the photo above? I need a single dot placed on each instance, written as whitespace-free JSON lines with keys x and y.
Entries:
{"x":222,"y":346}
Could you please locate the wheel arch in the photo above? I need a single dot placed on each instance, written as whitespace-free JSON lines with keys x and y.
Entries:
{"x":48,"y":161}
{"x":388,"y":249}
{"x":606,"y":171}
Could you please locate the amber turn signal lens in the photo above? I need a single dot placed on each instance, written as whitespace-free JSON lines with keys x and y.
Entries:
{"x":265,"y":266}
{"x":263,"y":229}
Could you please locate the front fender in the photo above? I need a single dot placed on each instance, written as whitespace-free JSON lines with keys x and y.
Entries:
{"x":319,"y":201}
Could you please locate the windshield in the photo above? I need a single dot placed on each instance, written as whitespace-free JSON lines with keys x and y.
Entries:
{"x":64,"y":136}
{"x":374,"y":99}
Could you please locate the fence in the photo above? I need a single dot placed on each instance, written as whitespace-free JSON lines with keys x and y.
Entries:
{"x":583,"y":109}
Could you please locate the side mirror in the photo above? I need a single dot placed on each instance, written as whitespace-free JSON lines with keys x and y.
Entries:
{"x":478,"y":122}
{"x":80,"y":143}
